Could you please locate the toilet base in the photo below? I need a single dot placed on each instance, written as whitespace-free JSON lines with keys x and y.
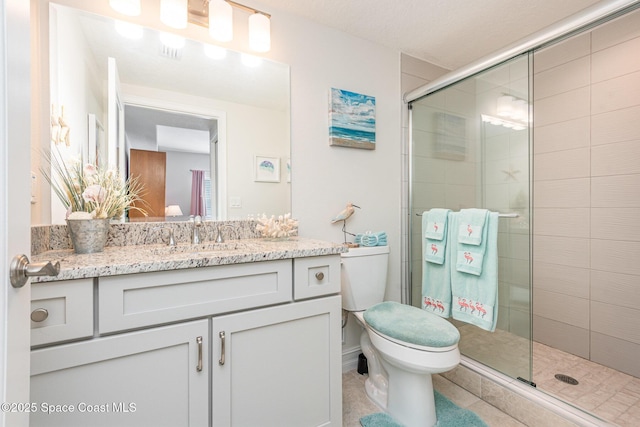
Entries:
{"x":411,"y":400}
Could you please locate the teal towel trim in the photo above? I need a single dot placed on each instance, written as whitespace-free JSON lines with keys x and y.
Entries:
{"x":448,"y":413}
{"x":412,"y":325}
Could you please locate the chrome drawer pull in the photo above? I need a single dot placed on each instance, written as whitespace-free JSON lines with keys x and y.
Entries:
{"x":222,"y":340}
{"x":199,"y":342}
{"x":39,"y":315}
{"x":320,"y":276}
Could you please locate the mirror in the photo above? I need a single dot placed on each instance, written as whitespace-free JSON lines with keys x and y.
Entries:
{"x":165,"y":96}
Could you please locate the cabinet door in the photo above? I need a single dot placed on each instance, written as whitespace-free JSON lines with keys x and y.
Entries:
{"x":146,"y":378}
{"x":278,"y":366}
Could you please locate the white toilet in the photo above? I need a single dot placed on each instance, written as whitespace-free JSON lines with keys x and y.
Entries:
{"x":403,"y":345}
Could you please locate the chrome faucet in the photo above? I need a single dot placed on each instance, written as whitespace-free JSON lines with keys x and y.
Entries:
{"x":172,"y":239}
{"x":219,"y":238}
{"x":195,"y":235}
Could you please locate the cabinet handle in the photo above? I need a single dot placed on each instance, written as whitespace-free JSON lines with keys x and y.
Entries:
{"x":222,"y":339}
{"x":320,"y":275}
{"x":199,"y":342}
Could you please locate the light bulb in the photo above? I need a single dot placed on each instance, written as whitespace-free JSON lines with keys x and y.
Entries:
{"x":220,"y":20}
{"x":259,"y":32}
{"x":174,"y":13}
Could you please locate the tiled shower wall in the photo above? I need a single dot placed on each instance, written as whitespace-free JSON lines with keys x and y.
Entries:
{"x":587,"y":195}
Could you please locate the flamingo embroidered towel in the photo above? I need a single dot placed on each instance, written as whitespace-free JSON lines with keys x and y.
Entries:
{"x":472,"y":237}
{"x":475,"y":297}
{"x":434,"y":230}
{"x":436,"y":268}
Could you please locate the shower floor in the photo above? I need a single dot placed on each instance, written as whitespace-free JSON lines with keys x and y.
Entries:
{"x":602,"y":391}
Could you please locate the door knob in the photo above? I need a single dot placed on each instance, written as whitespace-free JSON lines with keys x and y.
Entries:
{"x":21,"y":270}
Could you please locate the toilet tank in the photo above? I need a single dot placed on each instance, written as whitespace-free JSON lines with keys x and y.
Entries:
{"x":364,"y":277}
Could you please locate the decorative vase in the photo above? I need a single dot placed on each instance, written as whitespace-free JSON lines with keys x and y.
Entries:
{"x":88,"y":235}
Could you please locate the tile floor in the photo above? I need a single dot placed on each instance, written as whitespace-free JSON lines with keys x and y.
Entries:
{"x":602,"y":391}
{"x":356,"y":404}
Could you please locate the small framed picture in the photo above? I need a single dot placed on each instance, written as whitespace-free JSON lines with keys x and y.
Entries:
{"x":267,"y":169}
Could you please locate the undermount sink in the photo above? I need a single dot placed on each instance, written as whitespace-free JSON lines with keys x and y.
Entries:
{"x":197,"y":248}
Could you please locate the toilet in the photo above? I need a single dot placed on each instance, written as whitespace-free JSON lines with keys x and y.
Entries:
{"x":404,"y":345}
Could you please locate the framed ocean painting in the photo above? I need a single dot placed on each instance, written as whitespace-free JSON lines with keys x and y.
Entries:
{"x":352,"y":119}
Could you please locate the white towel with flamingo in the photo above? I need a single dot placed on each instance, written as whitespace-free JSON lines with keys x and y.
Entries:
{"x":474,"y":293}
{"x":436,"y":269}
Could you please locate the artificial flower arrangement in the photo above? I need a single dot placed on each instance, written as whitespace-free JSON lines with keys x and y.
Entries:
{"x":282,"y":226}
{"x":89,"y":192}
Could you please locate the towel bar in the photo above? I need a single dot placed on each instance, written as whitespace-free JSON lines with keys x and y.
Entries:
{"x":502,"y":215}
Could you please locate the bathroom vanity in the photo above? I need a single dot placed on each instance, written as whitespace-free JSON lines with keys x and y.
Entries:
{"x":242,"y":334}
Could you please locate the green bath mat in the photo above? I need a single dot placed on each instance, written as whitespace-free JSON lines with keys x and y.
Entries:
{"x":449,"y":415}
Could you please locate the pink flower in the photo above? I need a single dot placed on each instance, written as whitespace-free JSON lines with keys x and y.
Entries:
{"x":94,"y":194}
{"x":90,"y":170}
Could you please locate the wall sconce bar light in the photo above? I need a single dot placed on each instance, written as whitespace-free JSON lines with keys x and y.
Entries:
{"x":217,"y":15}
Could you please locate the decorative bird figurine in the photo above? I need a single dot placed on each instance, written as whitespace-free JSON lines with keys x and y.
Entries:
{"x":345,"y":213}
{"x":343,"y":216}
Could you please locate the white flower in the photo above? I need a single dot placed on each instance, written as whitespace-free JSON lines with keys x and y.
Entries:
{"x":94,"y":193}
{"x":80,"y":215}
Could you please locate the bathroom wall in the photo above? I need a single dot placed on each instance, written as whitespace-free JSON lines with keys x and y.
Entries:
{"x":586,"y":274}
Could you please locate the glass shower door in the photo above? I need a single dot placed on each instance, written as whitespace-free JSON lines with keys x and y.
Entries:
{"x":470,"y":149}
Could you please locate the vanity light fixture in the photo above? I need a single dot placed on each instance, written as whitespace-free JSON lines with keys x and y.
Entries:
{"x":499,"y":121}
{"x":174,"y":13}
{"x":512,"y":108}
{"x":220,"y":20}
{"x":217,"y":15}
{"x":126,"y":7}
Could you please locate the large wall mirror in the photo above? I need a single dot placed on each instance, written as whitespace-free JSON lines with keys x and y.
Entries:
{"x":138,"y":102}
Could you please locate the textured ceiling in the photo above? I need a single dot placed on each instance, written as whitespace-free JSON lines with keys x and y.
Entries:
{"x":449,"y":33}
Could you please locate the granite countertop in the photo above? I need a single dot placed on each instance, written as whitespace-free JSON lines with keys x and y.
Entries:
{"x":145,"y":258}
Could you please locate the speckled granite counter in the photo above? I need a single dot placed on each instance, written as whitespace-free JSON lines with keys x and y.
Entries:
{"x":144,"y":258}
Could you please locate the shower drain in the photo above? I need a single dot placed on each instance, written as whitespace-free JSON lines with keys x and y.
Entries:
{"x":566,"y":379}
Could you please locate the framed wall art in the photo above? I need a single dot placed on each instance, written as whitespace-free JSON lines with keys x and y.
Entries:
{"x":267,"y":169}
{"x":352,"y":119}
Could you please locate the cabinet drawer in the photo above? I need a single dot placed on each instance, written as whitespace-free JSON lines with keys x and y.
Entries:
{"x":144,"y":299}
{"x":69,"y":311}
{"x":316,"y":276}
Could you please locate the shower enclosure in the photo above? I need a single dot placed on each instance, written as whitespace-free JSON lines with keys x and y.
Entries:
{"x":547,"y":135}
{"x":470,"y":148}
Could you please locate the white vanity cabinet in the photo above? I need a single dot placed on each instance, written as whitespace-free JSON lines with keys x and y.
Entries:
{"x":278,"y":366}
{"x":155,"y":377}
{"x":253,"y":344}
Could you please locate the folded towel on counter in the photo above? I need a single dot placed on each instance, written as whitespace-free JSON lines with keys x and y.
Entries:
{"x":475,"y":296}
{"x":371,"y":239}
{"x":436,"y":268}
{"x":472,"y":240}
{"x":472,"y":223}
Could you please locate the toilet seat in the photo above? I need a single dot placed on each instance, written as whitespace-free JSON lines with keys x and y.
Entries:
{"x":411,"y":327}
